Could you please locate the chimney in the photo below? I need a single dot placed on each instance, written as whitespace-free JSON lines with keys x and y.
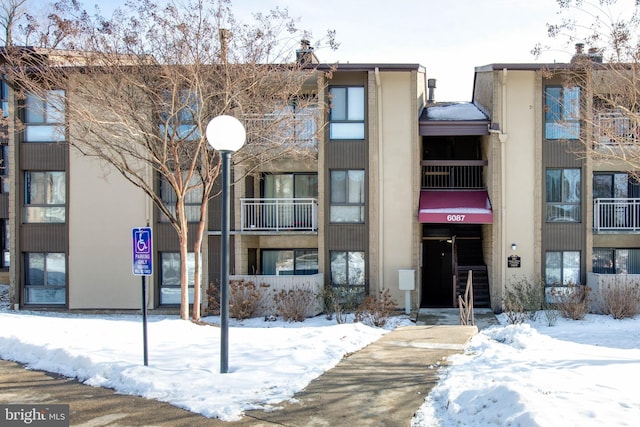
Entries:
{"x":431,"y":84}
{"x":224,"y":35}
{"x":595,"y":55}
{"x":305,"y":54}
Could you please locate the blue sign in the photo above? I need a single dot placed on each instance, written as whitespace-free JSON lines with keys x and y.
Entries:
{"x":142,"y":253}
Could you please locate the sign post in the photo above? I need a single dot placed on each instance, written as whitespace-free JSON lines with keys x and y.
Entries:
{"x":143,"y":266}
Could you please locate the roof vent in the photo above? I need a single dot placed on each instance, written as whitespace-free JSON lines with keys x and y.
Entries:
{"x":305,"y":54}
{"x":431,"y":84}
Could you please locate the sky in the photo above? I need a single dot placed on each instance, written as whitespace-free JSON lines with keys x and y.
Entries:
{"x":574,"y":373}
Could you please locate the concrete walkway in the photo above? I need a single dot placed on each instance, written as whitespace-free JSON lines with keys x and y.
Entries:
{"x":380,"y":385}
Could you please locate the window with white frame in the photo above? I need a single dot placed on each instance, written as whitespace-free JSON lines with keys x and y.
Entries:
{"x":45,"y":278}
{"x":562,"y":267}
{"x":192,"y":200}
{"x":347,"y":268}
{"x":347,"y":196}
{"x":44,"y":197}
{"x":347,"y":115}
{"x":563,"y":195}
{"x":562,"y":112}
{"x":44,"y":117}
{"x":170,"y":292}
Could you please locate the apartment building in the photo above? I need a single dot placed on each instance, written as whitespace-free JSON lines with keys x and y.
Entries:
{"x":406,"y":194}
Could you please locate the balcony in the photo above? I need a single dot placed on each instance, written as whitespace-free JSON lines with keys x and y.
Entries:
{"x":453,"y":174}
{"x":616,"y":215}
{"x":613,"y":127}
{"x":277,"y":215}
{"x":299,"y":128}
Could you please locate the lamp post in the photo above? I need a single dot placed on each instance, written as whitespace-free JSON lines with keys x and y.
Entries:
{"x":227,"y":135}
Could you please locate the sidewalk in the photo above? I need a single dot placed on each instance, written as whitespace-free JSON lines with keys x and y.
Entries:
{"x":380,"y":385}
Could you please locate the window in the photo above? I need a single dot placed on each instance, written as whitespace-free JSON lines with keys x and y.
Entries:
{"x":5,"y":261}
{"x":192,"y":200}
{"x":294,"y":262}
{"x":179,"y":116}
{"x":615,"y":261}
{"x":562,"y":267}
{"x":347,"y":112}
{"x":563,"y":195}
{"x":45,"y":118}
{"x":615,"y":185}
{"x":5,"y":187}
{"x":170,"y":277}
{"x":291,"y":186}
{"x":44,"y":197}
{"x":45,"y":278}
{"x":562,"y":112}
{"x":4,"y":98}
{"x":347,"y":196}
{"x":347,"y":268}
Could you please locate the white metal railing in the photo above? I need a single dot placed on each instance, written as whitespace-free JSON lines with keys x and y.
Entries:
{"x":299,"y":128}
{"x":613,"y":127}
{"x":616,"y":214}
{"x":279,"y":214}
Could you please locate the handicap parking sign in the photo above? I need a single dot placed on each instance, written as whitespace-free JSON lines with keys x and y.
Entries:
{"x":142,"y":253}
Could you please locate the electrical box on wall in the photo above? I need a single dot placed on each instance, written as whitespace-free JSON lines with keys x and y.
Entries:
{"x":407,"y":280}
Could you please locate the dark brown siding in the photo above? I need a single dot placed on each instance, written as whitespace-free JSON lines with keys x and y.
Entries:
{"x":167,"y":238}
{"x":214,"y":258}
{"x":43,"y":238}
{"x":4,"y":205}
{"x":347,"y":155}
{"x":43,"y":156}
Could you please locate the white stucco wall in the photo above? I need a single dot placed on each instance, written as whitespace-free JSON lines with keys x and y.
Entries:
{"x":520,"y":169}
{"x":103,"y":208}
{"x":398,"y":189}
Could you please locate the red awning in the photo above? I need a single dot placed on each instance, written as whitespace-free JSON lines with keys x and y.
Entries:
{"x":455,"y":206}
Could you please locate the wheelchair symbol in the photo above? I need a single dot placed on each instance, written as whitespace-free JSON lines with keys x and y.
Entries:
{"x":142,"y":237}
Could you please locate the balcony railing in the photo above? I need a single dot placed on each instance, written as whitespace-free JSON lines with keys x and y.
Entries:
{"x":453,"y":173}
{"x":621,"y":215}
{"x":616,"y":128}
{"x":279,"y":214}
{"x":299,"y":128}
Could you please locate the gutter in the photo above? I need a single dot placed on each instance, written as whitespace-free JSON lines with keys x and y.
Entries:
{"x":380,"y":184}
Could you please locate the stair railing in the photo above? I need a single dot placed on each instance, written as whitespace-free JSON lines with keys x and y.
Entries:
{"x":466,"y":303}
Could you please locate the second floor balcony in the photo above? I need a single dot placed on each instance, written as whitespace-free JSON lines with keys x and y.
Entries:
{"x":614,"y":127}
{"x":620,"y":215}
{"x":453,"y":174}
{"x":278,"y":215}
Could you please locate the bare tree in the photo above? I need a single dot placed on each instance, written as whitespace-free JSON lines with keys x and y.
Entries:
{"x":142,"y":85}
{"x":606,"y":67}
{"x":10,"y":13}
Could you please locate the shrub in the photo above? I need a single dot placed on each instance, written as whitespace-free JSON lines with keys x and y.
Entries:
{"x":345,"y":299}
{"x":213,"y":299}
{"x":523,"y":299}
{"x":572,"y":300}
{"x":328,"y":302}
{"x":294,"y":305}
{"x":551,"y":313}
{"x":375,"y":311}
{"x":245,"y":299}
{"x":621,"y":300}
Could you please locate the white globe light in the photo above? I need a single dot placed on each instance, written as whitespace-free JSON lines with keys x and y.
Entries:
{"x":226,"y":133}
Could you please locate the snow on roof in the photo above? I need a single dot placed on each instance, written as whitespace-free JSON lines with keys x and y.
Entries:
{"x":457,"y":111}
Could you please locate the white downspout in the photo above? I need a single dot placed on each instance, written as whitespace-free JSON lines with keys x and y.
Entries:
{"x":502,"y":137}
{"x":380,"y":184}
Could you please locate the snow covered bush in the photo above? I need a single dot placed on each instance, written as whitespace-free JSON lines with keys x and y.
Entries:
{"x":375,"y":311}
{"x":295,"y":305}
{"x":572,"y":300}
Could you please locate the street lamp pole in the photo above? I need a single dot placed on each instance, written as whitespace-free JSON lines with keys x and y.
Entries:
{"x":227,"y":135}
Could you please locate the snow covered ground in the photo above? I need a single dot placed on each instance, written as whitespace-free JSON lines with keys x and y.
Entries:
{"x":576,"y":373}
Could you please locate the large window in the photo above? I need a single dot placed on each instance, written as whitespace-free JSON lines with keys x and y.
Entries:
{"x":179,"y":116}
{"x":347,"y":196}
{"x":170,"y":277}
{"x":616,"y":261}
{"x":347,"y":269}
{"x":45,"y":118}
{"x":4,"y":98}
{"x":563,"y":196}
{"x":562,"y":267}
{"x":347,"y":112}
{"x":617,"y":185}
{"x":291,"y":186}
{"x":5,"y":186}
{"x":44,"y":197}
{"x":289,"y":262}
{"x":45,"y":278}
{"x":192,"y":200}
{"x":562,"y":112}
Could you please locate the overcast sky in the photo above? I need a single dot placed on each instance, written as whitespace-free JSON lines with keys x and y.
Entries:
{"x":448,"y":37}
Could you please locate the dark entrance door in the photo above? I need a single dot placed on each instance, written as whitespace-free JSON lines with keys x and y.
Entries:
{"x":437,"y":273}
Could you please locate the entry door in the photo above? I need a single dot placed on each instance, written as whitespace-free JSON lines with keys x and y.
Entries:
{"x":437,"y":273}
